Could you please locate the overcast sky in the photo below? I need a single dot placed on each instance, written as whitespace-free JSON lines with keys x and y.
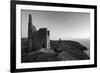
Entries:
{"x":64,"y":25}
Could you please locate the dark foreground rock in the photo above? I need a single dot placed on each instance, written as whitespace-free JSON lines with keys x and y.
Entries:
{"x":63,"y":51}
{"x":40,"y":56}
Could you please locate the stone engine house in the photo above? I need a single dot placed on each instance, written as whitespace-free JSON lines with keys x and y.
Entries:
{"x":37,"y":39}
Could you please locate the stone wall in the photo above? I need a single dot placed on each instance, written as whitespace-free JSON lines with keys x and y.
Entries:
{"x":40,"y":39}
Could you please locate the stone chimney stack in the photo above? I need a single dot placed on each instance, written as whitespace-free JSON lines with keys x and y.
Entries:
{"x":30,"y":27}
{"x":30,"y":33}
{"x":30,"y":18}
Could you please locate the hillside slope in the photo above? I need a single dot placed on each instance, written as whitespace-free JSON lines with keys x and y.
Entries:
{"x":59,"y":51}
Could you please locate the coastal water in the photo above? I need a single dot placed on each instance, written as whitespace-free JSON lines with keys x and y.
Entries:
{"x":86,"y":43}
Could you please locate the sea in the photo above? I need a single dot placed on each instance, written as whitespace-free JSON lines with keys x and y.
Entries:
{"x":86,"y":43}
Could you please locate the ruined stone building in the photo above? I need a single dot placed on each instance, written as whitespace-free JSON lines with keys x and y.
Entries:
{"x":37,"y":39}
